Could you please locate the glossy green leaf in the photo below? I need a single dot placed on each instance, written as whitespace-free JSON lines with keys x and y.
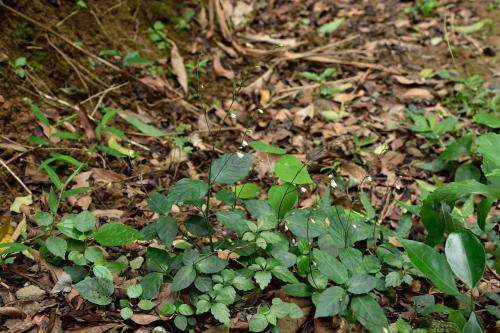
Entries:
{"x":466,"y":256}
{"x":116,"y":234}
{"x":84,"y":221}
{"x":143,"y":127}
{"x":246,"y":191}
{"x":183,"y":278}
{"x":487,"y":119}
{"x":166,"y":228}
{"x":211,"y":265}
{"x":57,"y":246}
{"x":187,"y":191}
{"x":369,"y":313}
{"x":291,"y":170}
{"x":331,"y":302}
{"x":432,"y":264}
{"x":488,"y":145}
{"x":330,"y":266}
{"x":282,"y":198}
{"x":257,"y":323}
{"x":267,"y":148}
{"x":96,"y":290}
{"x":472,"y":325}
{"x":361,"y":283}
{"x":44,"y":219}
{"x":159,"y":203}
{"x":220,"y":312}
{"x":231,"y":167}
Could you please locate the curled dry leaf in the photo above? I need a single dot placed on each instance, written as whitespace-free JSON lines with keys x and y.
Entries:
{"x":178,"y":67}
{"x":12,"y":312}
{"x":302,"y":114}
{"x":97,"y":329}
{"x":290,"y":42}
{"x":219,"y":69}
{"x":416,"y":94}
{"x":144,"y":319}
{"x":258,"y":83}
{"x":352,"y":170}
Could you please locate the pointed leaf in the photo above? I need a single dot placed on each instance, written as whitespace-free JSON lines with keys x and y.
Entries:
{"x":231,"y":167}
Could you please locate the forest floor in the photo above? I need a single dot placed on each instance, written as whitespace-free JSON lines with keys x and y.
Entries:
{"x":262,"y":60}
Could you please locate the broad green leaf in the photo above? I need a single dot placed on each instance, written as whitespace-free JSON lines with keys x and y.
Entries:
{"x":96,"y":290}
{"x":472,"y":325}
{"x":331,"y":302}
{"x":370,"y":211}
{"x":57,"y":246}
{"x":151,"y":285}
{"x":185,"y":310}
{"x":482,"y":211}
{"x":84,"y":221}
{"x":403,"y":326}
{"x":203,"y":283}
{"x":113,"y":144}
{"x":456,"y":149}
{"x":44,"y":219}
{"x":330,"y":266}
{"x":221,"y":313}
{"x":257,"y":208}
{"x":303,"y":225}
{"x":102,"y":272}
{"x":488,"y":145}
{"x":282,"y":198}
{"x":331,"y":26}
{"x":134,"y":58}
{"x":291,"y":170}
{"x":167,"y":309}
{"x":257,"y":323}
{"x":466,"y":256}
{"x":211,"y":265}
{"x":198,"y":226}
{"x":234,"y":220}
{"x":166,"y":228}
{"x":126,"y":313}
{"x":134,"y":291}
{"x":266,"y":148}
{"x":156,"y":260}
{"x":202,"y":306}
{"x":116,"y":234}
{"x":263,"y":278}
{"x":487,"y":119}
{"x":231,"y":167}
{"x":284,"y":274}
{"x":432,"y":264}
{"x":183,"y":278}
{"x":267,"y":222}
{"x":143,"y":127}
{"x":467,"y":171}
{"x":361,"y":283}
{"x":188,"y":191}
{"x":159,"y":203}
{"x":243,"y":283}
{"x":298,"y":290}
{"x":227,"y":197}
{"x":369,"y":313}
{"x":246,"y":191}
{"x":180,"y":322}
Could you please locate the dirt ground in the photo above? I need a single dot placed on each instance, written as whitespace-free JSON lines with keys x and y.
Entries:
{"x":379,"y":50}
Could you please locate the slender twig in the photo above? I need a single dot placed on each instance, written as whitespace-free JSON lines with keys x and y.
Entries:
{"x":15,"y":176}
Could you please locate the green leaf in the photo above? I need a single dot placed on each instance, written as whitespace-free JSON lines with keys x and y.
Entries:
{"x":482,"y":211}
{"x":57,"y":246}
{"x":183,"y":278}
{"x":166,"y":228}
{"x":227,"y":197}
{"x":475,"y":27}
{"x":116,"y":234}
{"x":156,"y":260}
{"x":282,"y":198}
{"x":331,"y":302}
{"x":234,"y":220}
{"x":330,"y":266}
{"x":96,"y":290}
{"x":488,"y":146}
{"x":369,"y":313}
{"x":67,"y":226}
{"x":456,"y":149}
{"x":220,"y":312}
{"x":185,"y":309}
{"x":246,"y":191}
{"x":167,"y":309}
{"x":393,"y":279}
{"x":197,"y":226}
{"x":467,"y":171}
{"x":66,"y":135}
{"x":266,"y":148}
{"x":211,"y":265}
{"x":53,"y":176}
{"x":230,"y":168}
{"x":76,"y":191}
{"x":303,"y":225}
{"x":298,"y":290}
{"x":44,"y":219}
{"x":487,"y":119}
{"x":257,"y":208}
{"x":331,"y":26}
{"x":432,"y":264}
{"x":370,"y":211}
{"x":102,"y":272}
{"x":84,"y":221}
{"x":134,"y":291}
{"x":257,"y":323}
{"x":267,"y":222}
{"x":53,"y":201}
{"x":38,"y":113}
{"x":143,"y":127}
{"x":203,"y":284}
{"x":151,"y":285}
{"x":466,"y":256}
{"x":126,"y":313}
{"x":403,"y":326}
{"x":159,"y":203}
{"x":291,"y":170}
{"x":243,"y":283}
{"x":134,"y":58}
{"x":472,"y":325}
{"x":311,"y":76}
{"x":284,"y":274}
{"x":180,"y":322}
{"x":187,"y":191}
{"x":361,"y":283}
{"x":94,"y":254}
{"x":263,"y":278}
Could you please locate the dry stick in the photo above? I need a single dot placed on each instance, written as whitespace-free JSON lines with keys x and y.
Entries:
{"x":15,"y":176}
{"x":29,"y":19}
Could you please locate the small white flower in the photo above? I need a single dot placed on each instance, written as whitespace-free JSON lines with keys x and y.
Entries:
{"x":260,"y":111}
{"x":240,"y":154}
{"x":369,"y":179}
{"x":330,"y":176}
{"x":232,"y":115}
{"x":398,"y":187}
{"x":303,"y":189}
{"x":313,"y":221}
{"x":244,"y":143}
{"x":203,"y":207}
{"x":354,"y":226}
{"x":333,"y":183}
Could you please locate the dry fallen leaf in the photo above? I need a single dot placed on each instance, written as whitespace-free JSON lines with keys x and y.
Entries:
{"x":352,"y":170}
{"x":301,"y":115}
{"x":219,"y":69}
{"x":416,"y":94}
{"x":144,"y":319}
{"x":178,"y":67}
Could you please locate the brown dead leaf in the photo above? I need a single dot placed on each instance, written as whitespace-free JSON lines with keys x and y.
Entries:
{"x":155,"y":83}
{"x":217,"y":329}
{"x":109,"y":213}
{"x":178,"y":66}
{"x":348,"y":168}
{"x":256,"y":85}
{"x":260,"y":38}
{"x":144,"y":319}
{"x":390,"y":162}
{"x":85,"y":122}
{"x":12,"y":312}
{"x":221,"y":18}
{"x":104,"y":176}
{"x":416,"y":94}
{"x":347,"y":97}
{"x":96,"y":329}
{"x":302,"y":114}
{"x":406,"y":81}
{"x":219,"y":69}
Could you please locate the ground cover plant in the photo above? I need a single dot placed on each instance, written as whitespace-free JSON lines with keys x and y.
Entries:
{"x":198,"y":167}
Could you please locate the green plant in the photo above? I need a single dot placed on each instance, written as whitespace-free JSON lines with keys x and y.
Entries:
{"x":183,"y":21}
{"x":19,"y":67}
{"x":158,"y":34}
{"x":326,"y":90}
{"x":427,"y":7}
